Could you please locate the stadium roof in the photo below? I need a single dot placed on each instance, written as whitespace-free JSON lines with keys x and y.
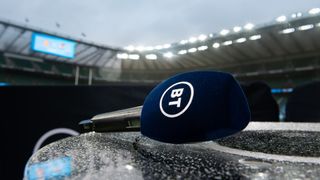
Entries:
{"x":289,"y":44}
{"x":284,"y":39}
{"x":16,"y":39}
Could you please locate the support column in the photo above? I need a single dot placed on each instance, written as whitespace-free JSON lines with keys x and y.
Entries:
{"x":90,"y":77}
{"x":76,"y":81}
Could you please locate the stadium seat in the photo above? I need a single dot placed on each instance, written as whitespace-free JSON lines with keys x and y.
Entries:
{"x":22,"y":63}
{"x":64,"y":69}
{"x":2,"y":61}
{"x":44,"y":66}
{"x":304,"y":103}
{"x":84,"y":71}
{"x":262,"y":105}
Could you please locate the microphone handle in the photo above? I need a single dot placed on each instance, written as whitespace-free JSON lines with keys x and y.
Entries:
{"x":115,"y":121}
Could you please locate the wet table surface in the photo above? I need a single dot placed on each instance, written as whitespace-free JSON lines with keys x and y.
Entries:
{"x":262,"y":151}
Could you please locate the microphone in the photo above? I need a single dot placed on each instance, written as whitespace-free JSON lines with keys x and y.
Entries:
{"x":189,"y":107}
{"x":116,"y":121}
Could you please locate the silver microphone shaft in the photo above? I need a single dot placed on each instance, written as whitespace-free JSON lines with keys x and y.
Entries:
{"x":120,"y":120}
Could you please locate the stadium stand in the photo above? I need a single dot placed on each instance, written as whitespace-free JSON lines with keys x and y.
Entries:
{"x":303,"y":103}
{"x":2,"y":60}
{"x":46,"y":67}
{"x":65,"y":69}
{"x":21,"y":64}
{"x":262,"y":104}
{"x":267,"y":50}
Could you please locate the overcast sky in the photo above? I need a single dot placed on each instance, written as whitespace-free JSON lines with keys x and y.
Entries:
{"x":146,"y":22}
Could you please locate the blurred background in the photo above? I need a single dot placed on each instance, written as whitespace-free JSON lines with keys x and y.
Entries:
{"x":65,"y":61}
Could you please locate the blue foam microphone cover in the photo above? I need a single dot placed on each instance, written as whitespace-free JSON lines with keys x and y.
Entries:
{"x":193,"y":107}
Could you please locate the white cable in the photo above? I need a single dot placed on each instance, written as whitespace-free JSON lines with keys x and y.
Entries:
{"x":51,"y":133}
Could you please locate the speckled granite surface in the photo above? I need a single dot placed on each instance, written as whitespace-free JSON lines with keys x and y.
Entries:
{"x":132,"y":156}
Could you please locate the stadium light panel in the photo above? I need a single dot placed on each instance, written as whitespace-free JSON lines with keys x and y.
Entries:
{"x":237,"y":29}
{"x":158,"y":47}
{"x":314,"y":11}
{"x":192,"y":50}
{"x":227,"y":43}
{"x":134,"y":56}
{"x":151,"y":56}
{"x":305,"y":27}
{"x":249,"y":26}
{"x":130,"y":48}
{"x":149,"y":48}
{"x":183,"y":41}
{"x":241,"y":40}
{"x":255,"y":37}
{"x":296,"y":15}
{"x":122,"y":56}
{"x":168,"y":54}
{"x":287,"y":31}
{"x":182,"y":52}
{"x":166,"y":46}
{"x":216,"y":45}
{"x":202,"y":48}
{"x":224,"y":32}
{"x":140,"y":48}
{"x":210,"y":35}
{"x":281,"y":18}
{"x":202,"y":37}
{"x":192,"y":39}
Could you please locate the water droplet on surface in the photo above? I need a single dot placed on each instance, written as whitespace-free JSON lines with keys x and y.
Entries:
{"x":255,"y":163}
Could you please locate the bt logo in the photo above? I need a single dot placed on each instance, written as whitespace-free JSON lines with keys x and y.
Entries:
{"x":176,"y":99}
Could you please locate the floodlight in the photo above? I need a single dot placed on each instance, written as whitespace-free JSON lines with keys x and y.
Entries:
{"x":296,"y":15}
{"x":166,"y":46}
{"x":255,"y":37}
{"x":227,"y":43}
{"x":182,"y":52}
{"x":305,"y":27}
{"x":281,"y":18}
{"x":192,"y":50}
{"x":215,"y":45}
{"x":130,"y":48}
{"x":149,"y":48}
{"x":192,"y":39}
{"x":249,"y":26}
{"x":168,"y":54}
{"x":224,"y":32}
{"x":140,"y":48}
{"x":287,"y":31}
{"x":237,"y":29}
{"x":151,"y":56}
{"x":183,"y":41}
{"x":314,"y":11}
{"x":202,"y":48}
{"x":122,"y":56}
{"x":202,"y":37}
{"x":158,"y":47}
{"x":134,"y":56}
{"x":241,"y":40}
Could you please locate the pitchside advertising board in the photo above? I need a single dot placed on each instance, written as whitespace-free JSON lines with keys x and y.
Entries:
{"x":53,"y":45}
